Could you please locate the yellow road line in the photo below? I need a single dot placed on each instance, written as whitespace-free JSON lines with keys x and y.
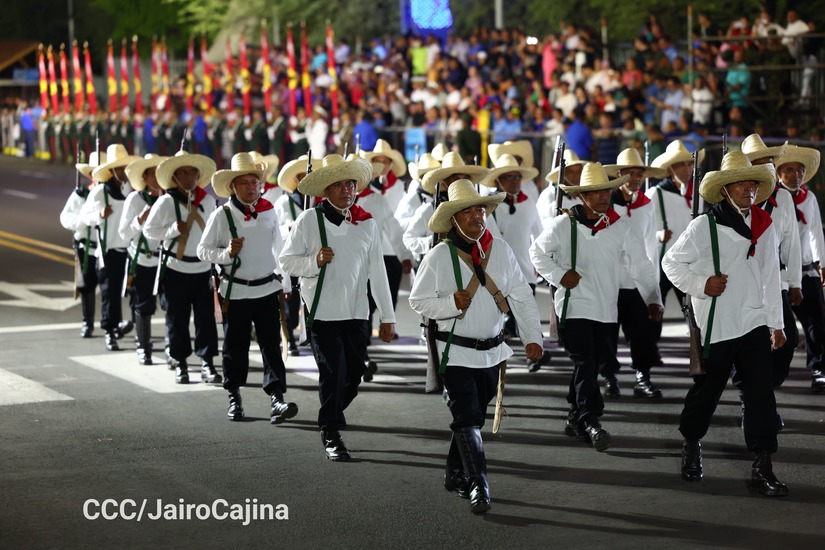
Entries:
{"x":35,"y":242}
{"x":42,"y":254}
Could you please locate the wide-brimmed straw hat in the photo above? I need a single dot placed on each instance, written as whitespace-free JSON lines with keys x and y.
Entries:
{"x":270,"y":162}
{"x":86,"y":168}
{"x":594,"y":178}
{"x":166,"y":169}
{"x":675,"y":152}
{"x":570,"y":159}
{"x":522,"y":149}
{"x":462,"y":195}
{"x":288,"y":176}
{"x":754,"y":148}
{"x":240,"y":165}
{"x":737,"y":167}
{"x":630,"y":158}
{"x":135,"y":170}
{"x":383,"y":149}
{"x":439,"y":151}
{"x":805,"y":156}
{"x":505,"y":164}
{"x":116,"y":157}
{"x":335,"y":168}
{"x":451,"y":165}
{"x":426,"y":163}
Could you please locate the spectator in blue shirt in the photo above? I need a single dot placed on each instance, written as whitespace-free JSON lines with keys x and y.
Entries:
{"x":508,"y":127}
{"x":578,"y":136}
{"x":365,"y":132}
{"x":27,"y":130}
{"x":149,"y":140}
{"x":738,"y":81}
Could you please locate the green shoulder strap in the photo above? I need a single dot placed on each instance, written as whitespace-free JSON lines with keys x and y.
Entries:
{"x":714,"y":247}
{"x":166,"y":252}
{"x":445,"y":357}
{"x":236,"y":261}
{"x":664,"y":220}
{"x":573,"y":248}
{"x":292,"y":209}
{"x":323,"y":232}
{"x":142,"y":244}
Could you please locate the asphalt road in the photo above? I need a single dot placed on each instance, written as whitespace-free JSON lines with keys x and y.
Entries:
{"x":79,"y":424}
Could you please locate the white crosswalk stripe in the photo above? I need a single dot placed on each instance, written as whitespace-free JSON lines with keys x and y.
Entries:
{"x":17,"y":390}
{"x":156,"y":378}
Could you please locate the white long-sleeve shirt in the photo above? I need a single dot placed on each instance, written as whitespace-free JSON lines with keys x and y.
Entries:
{"x":677,"y":211}
{"x":287,"y":213}
{"x":90,"y":215}
{"x":131,"y":230}
{"x":519,"y":230}
{"x":599,"y":259}
{"x":70,"y":219}
{"x":418,"y":237}
{"x":358,"y":258}
{"x":790,"y":251}
{"x":811,"y":240}
{"x":162,"y":225}
{"x":392,"y":236}
{"x":643,"y":220}
{"x":752,"y":296}
{"x":259,"y":256}
{"x":409,"y":203}
{"x":546,"y":204}
{"x":432,"y":297}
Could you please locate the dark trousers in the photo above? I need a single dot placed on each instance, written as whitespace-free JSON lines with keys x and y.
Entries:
{"x":638,"y":331}
{"x":469,"y":391}
{"x":750,"y":354}
{"x":589,"y":345}
{"x":265,"y":313}
{"x":293,"y":305}
{"x":780,"y":358}
{"x":110,"y":276}
{"x":665,"y":286}
{"x":89,"y":282}
{"x":184,"y":293}
{"x":340,"y":348}
{"x":142,"y":298}
{"x":394,"y":272}
{"x":810,"y":314}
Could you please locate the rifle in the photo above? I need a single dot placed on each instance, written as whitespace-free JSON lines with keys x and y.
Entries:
{"x":475,"y":163}
{"x":183,"y":140}
{"x":357,"y":144}
{"x":647,"y":163}
{"x":434,"y":382}
{"x":417,"y":156}
{"x":558,"y":160}
{"x":696,"y":366}
{"x":559,"y":192}
{"x":80,"y":267}
{"x":309,"y":171}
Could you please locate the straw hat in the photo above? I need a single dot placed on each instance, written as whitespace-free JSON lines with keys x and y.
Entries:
{"x":426,"y":163}
{"x":383,"y":149}
{"x":439,"y":151}
{"x":462,"y":195}
{"x":334,"y":169}
{"x":505,"y":164}
{"x":675,"y":152}
{"x":241,"y":164}
{"x":594,"y":178}
{"x":805,"y":156}
{"x":522,"y":149}
{"x":570,"y":159}
{"x":288,"y":176}
{"x":737,"y":167}
{"x":630,"y":158}
{"x":116,"y":157}
{"x":87,"y":168}
{"x":452,"y":164}
{"x":755,"y":148}
{"x":136,"y":169}
{"x":166,"y":169}
{"x":269,"y":161}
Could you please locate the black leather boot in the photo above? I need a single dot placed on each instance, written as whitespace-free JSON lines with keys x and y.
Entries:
{"x":182,"y":373}
{"x":454,"y":478}
{"x":293,"y":347}
{"x":370,"y":368}
{"x":111,"y":342}
{"x":598,"y":435}
{"x":334,"y":446}
{"x":611,"y":386}
{"x":573,"y":427}
{"x":235,"y":410}
{"x":692,"y":460}
{"x":208,"y":373}
{"x":123,"y":328}
{"x":644,"y":387}
{"x":143,"y":330}
{"x":763,"y":479}
{"x":281,"y":410}
{"x":87,"y":307}
{"x":471,"y":450}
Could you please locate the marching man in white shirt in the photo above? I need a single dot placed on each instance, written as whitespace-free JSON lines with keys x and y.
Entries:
{"x":335,"y":248}
{"x":244,"y":238}
{"x":796,"y":167}
{"x":631,"y":202}
{"x":727,"y":261}
{"x":142,"y":265}
{"x":470,"y":323}
{"x":582,"y":255}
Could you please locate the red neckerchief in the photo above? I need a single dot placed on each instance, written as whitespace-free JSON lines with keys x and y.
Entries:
{"x":689,"y":193}
{"x":269,"y":186}
{"x":610,"y":217}
{"x":366,"y":192}
{"x":486,"y":241}
{"x":261,"y":205}
{"x":641,"y":200}
{"x":760,"y":221}
{"x":798,"y":198}
{"x":358,"y":214}
{"x":391,"y":179}
{"x":200,"y":194}
{"x":521,"y":197}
